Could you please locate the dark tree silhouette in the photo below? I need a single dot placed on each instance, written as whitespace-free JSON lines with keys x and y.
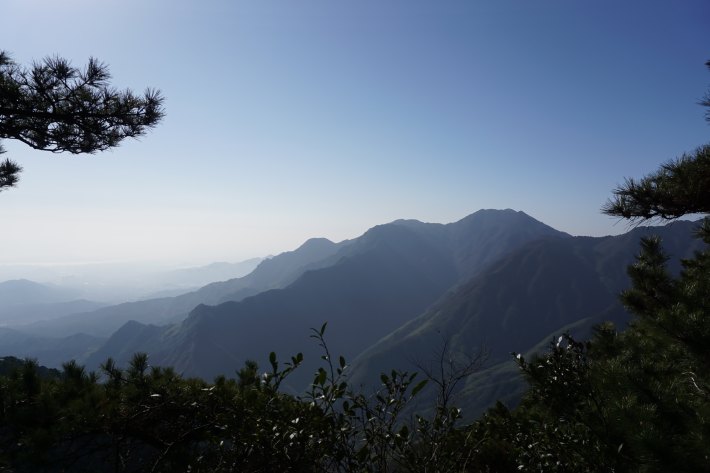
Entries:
{"x":54,"y":106}
{"x":680,"y":187}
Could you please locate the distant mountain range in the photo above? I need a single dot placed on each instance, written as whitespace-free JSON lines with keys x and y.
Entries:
{"x":50,"y":351}
{"x":115,"y":282}
{"x":22,"y":291}
{"x":370,"y":287}
{"x":202,"y":275}
{"x":497,"y":280}
{"x":269,"y":274}
{"x":23,"y":301}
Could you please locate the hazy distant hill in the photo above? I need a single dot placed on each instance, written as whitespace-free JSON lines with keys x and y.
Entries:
{"x":374,"y":285}
{"x":271,"y":273}
{"x":203,"y":275}
{"x":23,"y":301}
{"x":518,"y":305}
{"x":22,"y":291}
{"x":17,"y":315}
{"x":49,"y":351}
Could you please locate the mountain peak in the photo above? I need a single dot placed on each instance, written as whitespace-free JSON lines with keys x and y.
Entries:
{"x":19,"y":282}
{"x":315,"y":243}
{"x":506,"y":217}
{"x":497,"y":213}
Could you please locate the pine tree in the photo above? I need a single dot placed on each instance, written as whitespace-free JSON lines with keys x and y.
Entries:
{"x":54,"y":106}
{"x":636,"y":399}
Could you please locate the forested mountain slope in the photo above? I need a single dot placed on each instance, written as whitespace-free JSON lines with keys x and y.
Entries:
{"x":518,"y":305}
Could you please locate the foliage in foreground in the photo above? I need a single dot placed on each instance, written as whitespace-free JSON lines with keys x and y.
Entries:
{"x":54,"y":106}
{"x":150,"y":419}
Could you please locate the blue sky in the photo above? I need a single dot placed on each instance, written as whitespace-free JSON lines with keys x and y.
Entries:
{"x":287,"y":120}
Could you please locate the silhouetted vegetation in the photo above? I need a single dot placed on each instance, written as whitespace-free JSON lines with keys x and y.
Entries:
{"x":150,"y":419}
{"x":53,"y":106}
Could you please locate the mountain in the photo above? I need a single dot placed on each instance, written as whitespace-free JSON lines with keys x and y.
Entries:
{"x":369,"y":288}
{"x":519,"y":304}
{"x":202,"y":275}
{"x":10,"y":364}
{"x":21,"y":314}
{"x":496,"y":280}
{"x":22,"y":291}
{"x":23,"y":301}
{"x":280,"y":271}
{"x":271,"y":273}
{"x":49,"y":351}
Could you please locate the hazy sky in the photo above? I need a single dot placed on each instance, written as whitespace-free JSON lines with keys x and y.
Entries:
{"x":292,"y":119}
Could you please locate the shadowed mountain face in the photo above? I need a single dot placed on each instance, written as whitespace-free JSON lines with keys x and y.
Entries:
{"x":51,"y":351}
{"x":519,"y":304}
{"x":476,"y":249}
{"x":368,"y":289}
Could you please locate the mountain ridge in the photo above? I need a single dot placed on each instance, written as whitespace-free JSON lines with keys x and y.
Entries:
{"x":103,"y":322}
{"x":402,"y":281}
{"x":376,"y":283}
{"x":529,"y":296}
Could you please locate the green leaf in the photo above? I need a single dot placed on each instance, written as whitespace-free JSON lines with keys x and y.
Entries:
{"x":320,"y":377}
{"x":420,"y":385}
{"x":296,"y":360}
{"x":404,"y":431}
{"x":272,"y":360}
